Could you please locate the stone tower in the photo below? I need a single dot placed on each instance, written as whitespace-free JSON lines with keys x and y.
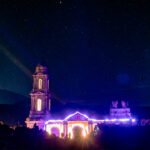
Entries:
{"x":40,"y":98}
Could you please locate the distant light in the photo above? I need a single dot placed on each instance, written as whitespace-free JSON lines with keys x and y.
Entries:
{"x":133,"y":120}
{"x":124,"y":119}
{"x":49,"y":121}
{"x":113,"y":120}
{"x":120,"y":120}
{"x":60,"y":2}
{"x":107,"y":120}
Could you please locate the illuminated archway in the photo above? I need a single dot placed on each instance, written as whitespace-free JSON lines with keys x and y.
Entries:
{"x":55,"y":130}
{"x":51,"y":129}
{"x":77,"y":132}
{"x":80,"y":125}
{"x":66,"y":126}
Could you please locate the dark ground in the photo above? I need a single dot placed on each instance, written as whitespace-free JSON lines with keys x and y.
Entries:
{"x":107,"y":138}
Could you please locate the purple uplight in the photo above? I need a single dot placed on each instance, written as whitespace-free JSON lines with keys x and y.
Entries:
{"x":93,"y":120}
{"x":124,"y":119}
{"x":120,"y":120}
{"x":53,"y":121}
{"x":71,"y":115}
{"x":75,"y":114}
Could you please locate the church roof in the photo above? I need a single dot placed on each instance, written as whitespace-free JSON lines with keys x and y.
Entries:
{"x":76,"y":116}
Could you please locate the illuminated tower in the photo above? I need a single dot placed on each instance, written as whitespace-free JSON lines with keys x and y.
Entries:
{"x":40,"y":98}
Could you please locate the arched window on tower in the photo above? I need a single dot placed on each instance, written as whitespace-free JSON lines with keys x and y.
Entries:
{"x":39,"y":104}
{"x":40,"y":84}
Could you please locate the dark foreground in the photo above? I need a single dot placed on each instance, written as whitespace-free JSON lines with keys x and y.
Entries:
{"x":107,"y":138}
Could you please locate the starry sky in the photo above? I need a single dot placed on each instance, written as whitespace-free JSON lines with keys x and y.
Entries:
{"x":96,"y":51}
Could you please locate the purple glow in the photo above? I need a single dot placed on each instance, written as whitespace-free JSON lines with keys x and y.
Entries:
{"x":53,"y":121}
{"x":113,"y":120}
{"x":56,"y":121}
{"x":133,"y":120}
{"x":75,"y":114}
{"x":120,"y":120}
{"x":82,"y":115}
{"x":93,"y":120}
{"x":124,"y":119}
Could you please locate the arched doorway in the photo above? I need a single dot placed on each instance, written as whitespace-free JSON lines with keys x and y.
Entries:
{"x":55,"y":130}
{"x":77,"y":132}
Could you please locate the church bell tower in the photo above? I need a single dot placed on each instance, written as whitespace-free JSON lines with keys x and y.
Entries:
{"x":40,"y":98}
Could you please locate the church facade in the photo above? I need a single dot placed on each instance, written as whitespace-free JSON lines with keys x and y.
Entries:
{"x":41,"y":105}
{"x":67,"y":126}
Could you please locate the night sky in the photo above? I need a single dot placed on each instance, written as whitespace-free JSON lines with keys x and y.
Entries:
{"x":96,"y":51}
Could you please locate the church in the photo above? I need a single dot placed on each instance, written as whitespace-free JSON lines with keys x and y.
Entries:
{"x":41,"y":106}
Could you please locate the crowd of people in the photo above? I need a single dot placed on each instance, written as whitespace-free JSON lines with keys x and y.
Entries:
{"x":103,"y":138}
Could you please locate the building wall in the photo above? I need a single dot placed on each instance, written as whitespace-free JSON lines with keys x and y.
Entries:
{"x":66,"y":128}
